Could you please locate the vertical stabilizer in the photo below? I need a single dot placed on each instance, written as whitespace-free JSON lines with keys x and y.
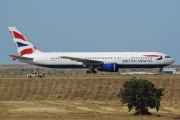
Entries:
{"x":24,"y":46}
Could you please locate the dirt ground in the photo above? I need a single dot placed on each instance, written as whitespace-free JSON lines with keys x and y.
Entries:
{"x":65,"y":109}
{"x":83,"y":98}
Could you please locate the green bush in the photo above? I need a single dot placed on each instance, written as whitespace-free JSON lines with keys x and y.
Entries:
{"x":139,"y":94}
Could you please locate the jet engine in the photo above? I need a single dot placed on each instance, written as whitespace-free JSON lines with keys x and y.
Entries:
{"x":108,"y":67}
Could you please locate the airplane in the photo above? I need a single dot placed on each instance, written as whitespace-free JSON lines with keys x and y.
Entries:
{"x":94,"y":61}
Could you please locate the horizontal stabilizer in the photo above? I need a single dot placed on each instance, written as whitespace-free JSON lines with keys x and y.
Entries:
{"x":20,"y":57}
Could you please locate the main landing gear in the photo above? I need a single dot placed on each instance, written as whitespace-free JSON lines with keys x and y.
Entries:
{"x":160,"y":70}
{"x":88,"y":72}
{"x":91,"y":70}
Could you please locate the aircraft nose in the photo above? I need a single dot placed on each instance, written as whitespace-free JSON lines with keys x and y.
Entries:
{"x":172,"y":61}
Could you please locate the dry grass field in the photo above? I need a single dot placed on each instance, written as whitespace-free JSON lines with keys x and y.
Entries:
{"x":78,"y":96}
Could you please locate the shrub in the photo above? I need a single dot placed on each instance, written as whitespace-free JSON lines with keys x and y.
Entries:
{"x":140,"y":94}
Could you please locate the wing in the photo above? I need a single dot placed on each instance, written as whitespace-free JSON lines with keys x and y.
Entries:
{"x":84,"y":61}
{"x":20,"y":57}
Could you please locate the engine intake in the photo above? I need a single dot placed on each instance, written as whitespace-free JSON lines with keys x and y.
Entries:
{"x":109,"y":67}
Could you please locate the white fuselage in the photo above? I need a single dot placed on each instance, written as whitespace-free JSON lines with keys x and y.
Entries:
{"x":102,"y":61}
{"x":121,"y":59}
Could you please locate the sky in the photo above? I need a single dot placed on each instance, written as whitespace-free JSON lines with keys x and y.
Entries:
{"x":92,"y":25}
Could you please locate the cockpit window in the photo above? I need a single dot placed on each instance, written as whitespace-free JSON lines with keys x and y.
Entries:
{"x":167,"y":57}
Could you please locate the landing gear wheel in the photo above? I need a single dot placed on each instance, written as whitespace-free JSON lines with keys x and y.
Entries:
{"x":94,"y":72}
{"x":88,"y":71}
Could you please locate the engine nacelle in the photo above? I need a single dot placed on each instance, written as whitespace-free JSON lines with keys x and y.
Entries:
{"x":109,"y":67}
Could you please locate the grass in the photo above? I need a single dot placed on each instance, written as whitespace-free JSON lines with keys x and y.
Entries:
{"x":89,"y":91}
{"x":96,"y":87}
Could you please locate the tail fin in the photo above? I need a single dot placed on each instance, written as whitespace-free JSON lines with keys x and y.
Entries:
{"x":23,"y":45}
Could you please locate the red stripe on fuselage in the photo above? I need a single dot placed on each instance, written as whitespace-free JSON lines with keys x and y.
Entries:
{"x":17,"y":35}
